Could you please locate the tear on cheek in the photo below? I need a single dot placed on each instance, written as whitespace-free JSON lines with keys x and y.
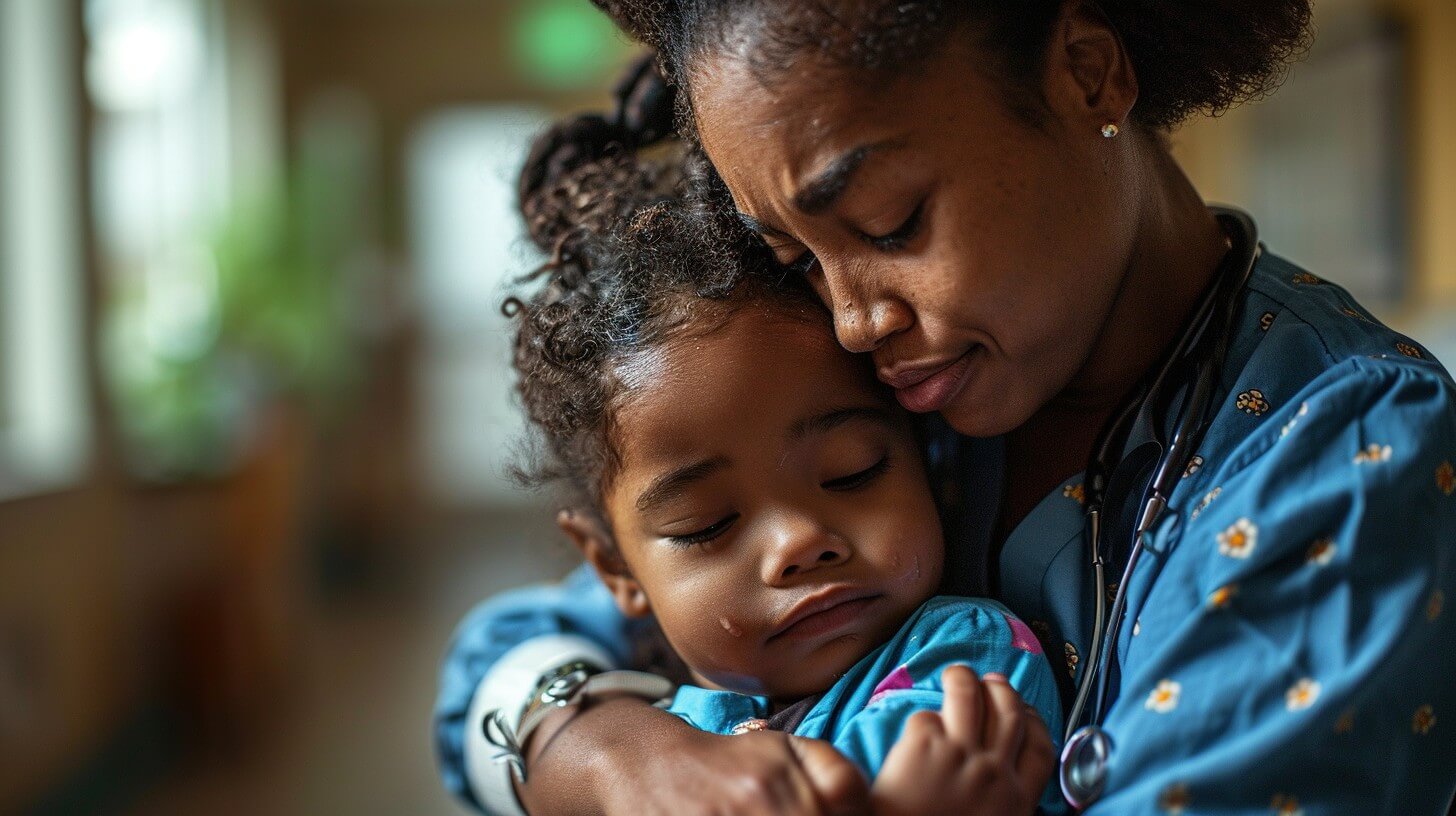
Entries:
{"x":911,"y":574}
{"x":730,"y":627}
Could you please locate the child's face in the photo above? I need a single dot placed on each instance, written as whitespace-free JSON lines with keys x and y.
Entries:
{"x":770,"y":505}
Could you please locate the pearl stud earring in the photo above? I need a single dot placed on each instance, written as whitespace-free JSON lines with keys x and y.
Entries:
{"x":1109,"y":130}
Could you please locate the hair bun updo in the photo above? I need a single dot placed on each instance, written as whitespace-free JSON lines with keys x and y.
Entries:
{"x":1191,"y":56}
{"x":581,"y":176}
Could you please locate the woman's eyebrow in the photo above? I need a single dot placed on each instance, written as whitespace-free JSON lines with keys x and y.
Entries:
{"x":670,"y":485}
{"x":828,"y":421}
{"x":819,"y":193}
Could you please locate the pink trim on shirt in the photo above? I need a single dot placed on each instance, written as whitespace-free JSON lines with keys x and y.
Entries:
{"x":1022,"y":637}
{"x":897,"y":680}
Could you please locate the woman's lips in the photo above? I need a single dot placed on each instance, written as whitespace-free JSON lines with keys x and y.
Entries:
{"x":931,"y":389}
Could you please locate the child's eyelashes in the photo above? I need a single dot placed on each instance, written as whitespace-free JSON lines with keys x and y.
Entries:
{"x":854,"y":481}
{"x":705,"y":535}
{"x":803,"y":266}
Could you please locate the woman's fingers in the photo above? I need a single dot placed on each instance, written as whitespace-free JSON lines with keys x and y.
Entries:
{"x":963,"y":710}
{"x":1005,"y":716}
{"x":838,"y":786}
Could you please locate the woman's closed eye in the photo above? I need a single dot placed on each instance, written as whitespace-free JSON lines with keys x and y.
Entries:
{"x":858,"y":479}
{"x":900,"y":236}
{"x":704,"y":535}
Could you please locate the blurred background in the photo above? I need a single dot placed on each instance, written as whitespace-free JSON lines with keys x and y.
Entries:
{"x":254,"y":383}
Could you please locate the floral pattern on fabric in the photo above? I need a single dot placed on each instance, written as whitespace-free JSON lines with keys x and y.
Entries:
{"x":1206,"y":501}
{"x":1194,"y":465}
{"x":1252,"y":402}
{"x":1409,"y":350}
{"x":1174,"y":799}
{"x":1164,"y":697}
{"x":1239,"y":539}
{"x":1302,"y":694}
{"x":1289,"y":426}
{"x":1424,"y":720}
{"x":1285,"y":805}
{"x":1223,"y":596}
{"x":1373,"y":453}
{"x":1321,"y":552}
{"x":1076,"y":492}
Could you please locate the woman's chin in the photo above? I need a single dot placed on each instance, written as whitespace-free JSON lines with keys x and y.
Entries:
{"x":978,"y":414}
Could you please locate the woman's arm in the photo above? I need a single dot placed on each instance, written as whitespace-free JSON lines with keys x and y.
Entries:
{"x":626,"y":757}
{"x":622,"y":756}
{"x":1313,"y":673}
{"x":493,"y":662}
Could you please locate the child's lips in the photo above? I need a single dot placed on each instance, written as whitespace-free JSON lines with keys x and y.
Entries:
{"x":824,"y":612}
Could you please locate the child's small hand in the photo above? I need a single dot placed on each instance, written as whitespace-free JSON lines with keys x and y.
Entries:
{"x":986,"y":752}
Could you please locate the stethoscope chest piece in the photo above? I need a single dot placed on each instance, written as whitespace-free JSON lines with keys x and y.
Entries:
{"x":1084,"y":765}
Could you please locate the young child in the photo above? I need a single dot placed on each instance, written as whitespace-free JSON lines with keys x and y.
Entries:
{"x":740,"y":477}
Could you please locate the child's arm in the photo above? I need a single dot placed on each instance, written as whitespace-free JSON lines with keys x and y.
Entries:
{"x":930,"y":733}
{"x":984,"y":752}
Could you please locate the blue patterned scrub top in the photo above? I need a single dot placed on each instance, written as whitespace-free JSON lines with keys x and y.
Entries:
{"x":1290,"y":641}
{"x":864,"y":712}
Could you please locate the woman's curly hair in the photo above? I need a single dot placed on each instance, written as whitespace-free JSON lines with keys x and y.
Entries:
{"x":1190,"y":56}
{"x":631,"y":266}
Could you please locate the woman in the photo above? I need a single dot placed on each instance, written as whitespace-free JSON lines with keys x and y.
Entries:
{"x":983,"y":197}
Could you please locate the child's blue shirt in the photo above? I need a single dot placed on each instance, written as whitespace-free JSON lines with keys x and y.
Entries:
{"x":863,"y":713}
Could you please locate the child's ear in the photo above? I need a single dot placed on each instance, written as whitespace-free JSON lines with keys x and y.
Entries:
{"x":596,"y":545}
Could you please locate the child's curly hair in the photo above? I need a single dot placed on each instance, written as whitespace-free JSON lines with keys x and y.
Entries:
{"x":632,"y":264}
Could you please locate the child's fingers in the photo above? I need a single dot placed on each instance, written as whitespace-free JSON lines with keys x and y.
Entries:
{"x":1038,"y":756}
{"x":1005,"y":716}
{"x":962,"y":711}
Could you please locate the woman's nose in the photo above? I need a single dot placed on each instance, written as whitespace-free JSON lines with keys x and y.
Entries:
{"x":863,"y":320}
{"x":801,"y":546}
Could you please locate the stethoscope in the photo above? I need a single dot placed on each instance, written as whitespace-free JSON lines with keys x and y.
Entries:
{"x":1088,"y":747}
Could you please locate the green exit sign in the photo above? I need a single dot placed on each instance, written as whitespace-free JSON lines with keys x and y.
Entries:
{"x":565,"y":43}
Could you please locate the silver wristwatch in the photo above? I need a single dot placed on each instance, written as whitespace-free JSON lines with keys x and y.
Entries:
{"x":570,"y":684}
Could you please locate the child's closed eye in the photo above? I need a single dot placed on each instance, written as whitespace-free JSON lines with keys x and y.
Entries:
{"x":859,"y":479}
{"x":703,"y":536}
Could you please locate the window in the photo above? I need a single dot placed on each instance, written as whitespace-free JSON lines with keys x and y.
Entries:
{"x":469,"y":246}
{"x":43,"y":408}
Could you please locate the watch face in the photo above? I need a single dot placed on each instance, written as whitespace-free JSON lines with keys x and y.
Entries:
{"x":561,"y":689}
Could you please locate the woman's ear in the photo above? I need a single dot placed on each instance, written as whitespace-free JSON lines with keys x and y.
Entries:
{"x":596,"y":545}
{"x":1088,"y":71}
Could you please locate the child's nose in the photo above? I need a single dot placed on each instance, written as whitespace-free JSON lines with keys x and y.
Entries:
{"x":803,"y":547}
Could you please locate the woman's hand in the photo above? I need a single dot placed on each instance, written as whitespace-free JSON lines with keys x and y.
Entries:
{"x":624,"y":757}
{"x":986,"y":752}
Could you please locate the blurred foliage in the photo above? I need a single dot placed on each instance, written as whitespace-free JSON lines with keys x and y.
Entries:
{"x":262,"y":311}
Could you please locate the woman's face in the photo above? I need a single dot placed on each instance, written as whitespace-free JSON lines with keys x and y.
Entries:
{"x":975,"y":255}
{"x":770,"y":504}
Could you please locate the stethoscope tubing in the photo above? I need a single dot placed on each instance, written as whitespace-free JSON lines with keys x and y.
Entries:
{"x":1088,"y":747}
